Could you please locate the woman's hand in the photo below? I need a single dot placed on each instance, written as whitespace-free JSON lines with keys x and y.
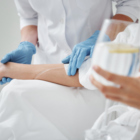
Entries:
{"x":128,"y":92}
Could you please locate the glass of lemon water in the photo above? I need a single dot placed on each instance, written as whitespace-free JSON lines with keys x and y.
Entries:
{"x":113,"y":52}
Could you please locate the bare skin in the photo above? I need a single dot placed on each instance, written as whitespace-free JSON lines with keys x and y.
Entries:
{"x":122,"y":17}
{"x":113,"y":29}
{"x":29,"y":33}
{"x":54,"y":73}
{"x":128,"y":92}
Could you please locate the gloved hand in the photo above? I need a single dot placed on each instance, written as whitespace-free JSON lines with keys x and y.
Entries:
{"x":79,"y":53}
{"x":23,"y":54}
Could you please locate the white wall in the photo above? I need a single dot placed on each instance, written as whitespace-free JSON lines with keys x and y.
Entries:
{"x":9,"y":27}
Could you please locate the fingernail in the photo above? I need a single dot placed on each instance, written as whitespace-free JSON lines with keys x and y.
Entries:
{"x":95,"y":67}
{"x":106,"y":95}
{"x":90,"y":77}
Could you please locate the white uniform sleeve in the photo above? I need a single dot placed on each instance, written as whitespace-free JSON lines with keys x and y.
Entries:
{"x":84,"y":73}
{"x":130,"y":8}
{"x":27,"y":15}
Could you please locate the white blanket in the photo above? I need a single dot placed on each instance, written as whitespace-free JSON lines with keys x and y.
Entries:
{"x":38,"y":110}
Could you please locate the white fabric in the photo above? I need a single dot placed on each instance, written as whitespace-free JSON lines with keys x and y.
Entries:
{"x":38,"y":110}
{"x":123,"y":121}
{"x":124,"y":124}
{"x":130,"y":35}
{"x":64,"y":23}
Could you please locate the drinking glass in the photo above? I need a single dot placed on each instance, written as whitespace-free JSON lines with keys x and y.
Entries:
{"x":116,"y":53}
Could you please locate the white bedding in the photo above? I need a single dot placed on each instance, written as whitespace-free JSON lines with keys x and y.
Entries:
{"x":38,"y":110}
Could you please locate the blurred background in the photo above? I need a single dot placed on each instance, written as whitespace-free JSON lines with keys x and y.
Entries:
{"x":9,"y":27}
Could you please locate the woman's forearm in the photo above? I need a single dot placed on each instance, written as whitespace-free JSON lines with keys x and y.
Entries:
{"x":54,"y":73}
{"x":29,"y":33}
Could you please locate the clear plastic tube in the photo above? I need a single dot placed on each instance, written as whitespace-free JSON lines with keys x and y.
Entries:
{"x":41,"y":73}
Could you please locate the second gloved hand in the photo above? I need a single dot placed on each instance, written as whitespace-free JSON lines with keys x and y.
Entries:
{"x":79,"y":53}
{"x":23,"y":54}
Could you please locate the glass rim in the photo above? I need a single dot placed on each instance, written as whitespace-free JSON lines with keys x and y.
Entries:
{"x":119,"y":21}
{"x":116,"y":43}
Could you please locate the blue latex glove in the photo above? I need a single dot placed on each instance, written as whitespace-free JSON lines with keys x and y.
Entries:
{"x":79,"y":53}
{"x":23,"y":54}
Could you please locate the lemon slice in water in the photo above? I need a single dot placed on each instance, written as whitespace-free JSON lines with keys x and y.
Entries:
{"x":129,"y":50}
{"x":121,"y":48}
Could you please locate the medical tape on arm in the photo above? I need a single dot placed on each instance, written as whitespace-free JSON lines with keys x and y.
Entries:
{"x":41,"y":73}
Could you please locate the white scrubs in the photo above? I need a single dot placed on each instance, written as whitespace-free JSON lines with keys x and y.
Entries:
{"x":38,"y":110}
{"x":64,"y":23}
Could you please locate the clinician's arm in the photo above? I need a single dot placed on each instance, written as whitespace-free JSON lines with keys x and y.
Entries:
{"x":54,"y":73}
{"x":29,"y":33}
{"x":23,"y":54}
{"x":28,"y":25}
{"x":127,"y":10}
{"x":113,"y":30}
{"x":28,"y":21}
{"x":122,"y":17}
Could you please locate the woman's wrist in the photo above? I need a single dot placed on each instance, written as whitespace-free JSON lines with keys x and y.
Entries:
{"x":17,"y":71}
{"x":2,"y":70}
{"x":10,"y":69}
